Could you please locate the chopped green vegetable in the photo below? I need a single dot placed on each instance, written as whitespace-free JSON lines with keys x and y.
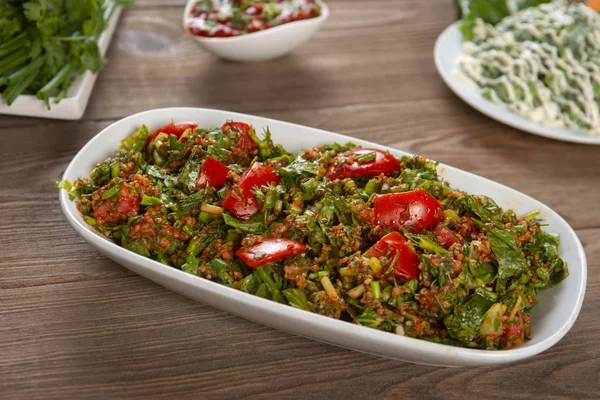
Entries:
{"x":253,"y":226}
{"x":466,"y":320}
{"x":59,"y":42}
{"x":509,"y":256}
{"x":113,"y":191}
{"x":366,"y":157}
{"x":297,"y":298}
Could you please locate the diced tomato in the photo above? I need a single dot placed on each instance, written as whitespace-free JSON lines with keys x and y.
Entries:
{"x":245,"y":142}
{"x":213,"y":172}
{"x":221,"y":31}
{"x":394,"y":248}
{"x":117,"y":208}
{"x":240,"y":200}
{"x":347,"y":165}
{"x":445,"y":237}
{"x":125,"y":206}
{"x":172,"y":129}
{"x":514,"y":331}
{"x":415,"y":210}
{"x":269,"y":250}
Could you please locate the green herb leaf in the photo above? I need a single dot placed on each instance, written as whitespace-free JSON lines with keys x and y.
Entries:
{"x":484,"y":207}
{"x":194,"y":200}
{"x":137,"y":141}
{"x":113,"y":191}
{"x":366,"y":157}
{"x":510,"y":258}
{"x":466,"y":320}
{"x":297,"y":298}
{"x":220,"y":269}
{"x":298,"y":167}
{"x":239,"y":19}
{"x":254,"y":225}
{"x":190,"y":172}
{"x":272,"y":284}
{"x":191,"y":265}
{"x":150,"y":201}
{"x":426,"y":243}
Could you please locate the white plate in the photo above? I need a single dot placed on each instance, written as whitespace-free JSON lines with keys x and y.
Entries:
{"x":263,"y":45}
{"x":74,"y":104}
{"x":551,"y":319}
{"x":447,"y":49}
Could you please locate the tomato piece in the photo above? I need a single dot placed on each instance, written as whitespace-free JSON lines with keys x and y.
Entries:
{"x":240,"y":200}
{"x":415,"y":210}
{"x":514,"y":331}
{"x":269,"y":250}
{"x":213,"y":172}
{"x":245,"y":142}
{"x":176,"y":129}
{"x":240,"y":127}
{"x":394,"y":248}
{"x":126,"y":206}
{"x":222,"y":31}
{"x":348,"y":165}
{"x":445,"y":237}
{"x":117,"y":208}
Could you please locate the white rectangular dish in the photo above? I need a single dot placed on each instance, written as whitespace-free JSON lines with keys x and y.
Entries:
{"x":551,"y":318}
{"x":74,"y":104}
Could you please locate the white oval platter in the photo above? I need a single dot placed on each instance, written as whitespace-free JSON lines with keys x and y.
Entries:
{"x":551,"y":318}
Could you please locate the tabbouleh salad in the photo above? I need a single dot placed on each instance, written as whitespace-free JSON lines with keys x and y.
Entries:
{"x":349,"y":233}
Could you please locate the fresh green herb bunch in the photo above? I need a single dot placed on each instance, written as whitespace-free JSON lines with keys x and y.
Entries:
{"x":45,"y":43}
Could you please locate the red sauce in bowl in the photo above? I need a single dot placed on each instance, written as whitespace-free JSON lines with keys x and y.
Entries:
{"x":227,"y":18}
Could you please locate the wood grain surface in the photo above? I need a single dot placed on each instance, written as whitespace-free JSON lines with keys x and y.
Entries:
{"x":75,"y":325}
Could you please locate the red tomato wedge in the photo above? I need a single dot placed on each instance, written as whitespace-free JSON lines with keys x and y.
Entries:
{"x":415,"y":210}
{"x":245,"y":142}
{"x":349,"y":165}
{"x":394,"y":248}
{"x":213,"y":172}
{"x":445,"y":237}
{"x":176,"y":129}
{"x":268,"y":251}
{"x":240,"y":200}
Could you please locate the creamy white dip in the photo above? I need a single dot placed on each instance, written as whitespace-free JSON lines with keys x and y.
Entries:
{"x":542,"y":63}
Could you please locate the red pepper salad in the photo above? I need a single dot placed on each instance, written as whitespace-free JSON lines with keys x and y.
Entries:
{"x":226,"y":18}
{"x":350,"y":233}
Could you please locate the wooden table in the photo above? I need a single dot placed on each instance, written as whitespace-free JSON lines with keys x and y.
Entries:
{"x":74,"y":324}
